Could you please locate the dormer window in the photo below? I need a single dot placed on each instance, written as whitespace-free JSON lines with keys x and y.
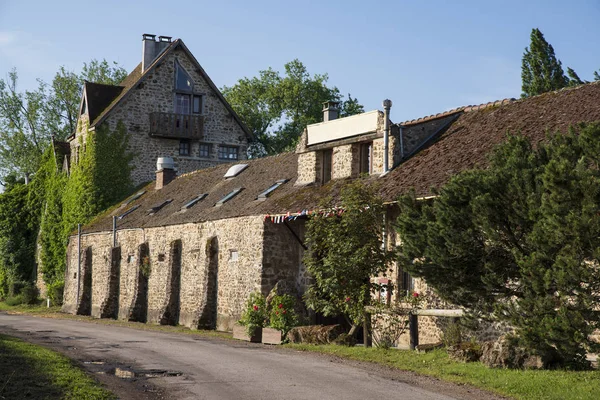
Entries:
{"x":366,"y":158}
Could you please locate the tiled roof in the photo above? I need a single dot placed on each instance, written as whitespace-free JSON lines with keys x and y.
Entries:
{"x":472,"y":137}
{"x":468,"y":108}
{"x":466,"y":144}
{"x":259,"y":176}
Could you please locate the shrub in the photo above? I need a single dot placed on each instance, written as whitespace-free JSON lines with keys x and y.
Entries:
{"x":14,"y":300}
{"x":55,"y":292}
{"x":29,"y":293}
{"x":283,"y":315}
{"x":255,"y":314}
{"x":391,"y":321}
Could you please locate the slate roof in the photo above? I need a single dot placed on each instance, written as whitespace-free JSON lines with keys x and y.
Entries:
{"x":104,"y":106}
{"x":99,"y":96}
{"x":464,"y":145}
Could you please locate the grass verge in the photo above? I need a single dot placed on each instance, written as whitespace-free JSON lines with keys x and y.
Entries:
{"x":519,"y":384}
{"x":34,"y":372}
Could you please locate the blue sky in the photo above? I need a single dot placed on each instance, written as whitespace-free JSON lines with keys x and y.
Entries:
{"x":427,"y":56}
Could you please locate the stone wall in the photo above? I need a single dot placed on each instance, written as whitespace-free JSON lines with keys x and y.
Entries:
{"x":156,"y":94}
{"x":346,"y":160}
{"x":198,"y":274}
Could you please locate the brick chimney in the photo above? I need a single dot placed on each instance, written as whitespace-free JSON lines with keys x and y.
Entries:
{"x":331,"y":110}
{"x":165,"y":172}
{"x":151,"y":48}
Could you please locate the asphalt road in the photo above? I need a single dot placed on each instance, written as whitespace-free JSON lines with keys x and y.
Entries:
{"x":193,"y":367}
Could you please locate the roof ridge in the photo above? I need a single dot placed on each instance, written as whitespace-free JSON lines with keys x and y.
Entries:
{"x":452,"y":111}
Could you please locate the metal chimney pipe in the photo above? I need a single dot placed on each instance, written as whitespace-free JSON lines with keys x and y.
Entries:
{"x":387,"y":104}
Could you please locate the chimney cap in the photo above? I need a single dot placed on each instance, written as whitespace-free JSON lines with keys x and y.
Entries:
{"x":165,"y":39}
{"x":387,"y":104}
{"x":148,"y":36}
{"x":331,"y":104}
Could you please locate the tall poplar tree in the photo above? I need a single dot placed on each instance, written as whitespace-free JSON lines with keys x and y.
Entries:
{"x":541,"y":71}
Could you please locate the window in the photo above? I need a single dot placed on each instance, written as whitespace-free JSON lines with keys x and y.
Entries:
{"x":228,"y":153}
{"x":204,"y":150}
{"x":406,"y":282}
{"x":327,"y":165}
{"x":158,"y":207}
{"x":197,"y":106}
{"x":192,"y":202}
{"x":366,"y":158}
{"x":182,"y":103}
{"x":84,"y":107}
{"x":184,"y":147}
{"x":126,"y":213}
{"x":228,"y":197}
{"x":182,"y":79}
{"x":266,"y":193}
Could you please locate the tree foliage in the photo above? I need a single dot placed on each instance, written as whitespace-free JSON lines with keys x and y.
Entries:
{"x":276,"y":108}
{"x":18,"y":231}
{"x":29,"y":119}
{"x":542,"y":72}
{"x":345,"y":251}
{"x":519,"y":242}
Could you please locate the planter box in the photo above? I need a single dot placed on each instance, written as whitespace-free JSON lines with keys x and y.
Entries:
{"x":271,"y":336}
{"x":239,"y":332}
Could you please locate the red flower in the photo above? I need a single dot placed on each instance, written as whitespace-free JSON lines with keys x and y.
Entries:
{"x":255,"y":307}
{"x":280,"y":305}
{"x":415,"y":294}
{"x":283,"y":311}
{"x":277,"y":312}
{"x":347,"y":299}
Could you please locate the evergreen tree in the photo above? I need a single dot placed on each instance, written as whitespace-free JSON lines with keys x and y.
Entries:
{"x":519,"y":242}
{"x":541,"y":71}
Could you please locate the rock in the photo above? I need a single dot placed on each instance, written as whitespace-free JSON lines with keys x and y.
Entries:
{"x":315,"y":334}
{"x":465,"y":352}
{"x":505,"y":354}
{"x":426,"y":348}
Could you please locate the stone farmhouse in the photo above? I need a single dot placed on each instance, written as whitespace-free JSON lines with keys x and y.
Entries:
{"x":169,"y":107}
{"x":190,"y":250}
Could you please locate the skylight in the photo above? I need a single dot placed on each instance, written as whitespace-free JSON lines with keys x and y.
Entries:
{"x":235,"y":170}
{"x":126,"y":213}
{"x":193,"y":202}
{"x":229,"y":196}
{"x":158,"y":207}
{"x":263,"y":196}
{"x":135,"y":197}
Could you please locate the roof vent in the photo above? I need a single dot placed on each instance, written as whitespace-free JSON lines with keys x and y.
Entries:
{"x":164,"y":163}
{"x":235,"y":170}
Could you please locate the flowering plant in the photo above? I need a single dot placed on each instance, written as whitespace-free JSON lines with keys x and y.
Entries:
{"x":283,"y":315}
{"x":255,"y":313}
{"x":391,"y":321}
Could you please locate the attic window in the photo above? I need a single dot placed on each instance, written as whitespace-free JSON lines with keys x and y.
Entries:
{"x":157,"y":208}
{"x":126,"y":213}
{"x":263,"y":196}
{"x":135,"y":197}
{"x":235,"y":170}
{"x":229,"y":196}
{"x":182,"y":79}
{"x":84,"y":107}
{"x":193,"y":202}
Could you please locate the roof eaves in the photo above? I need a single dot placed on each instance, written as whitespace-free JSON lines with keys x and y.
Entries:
{"x":126,"y":91}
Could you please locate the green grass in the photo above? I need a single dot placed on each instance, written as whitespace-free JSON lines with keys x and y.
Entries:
{"x":34,"y":372}
{"x":519,"y":384}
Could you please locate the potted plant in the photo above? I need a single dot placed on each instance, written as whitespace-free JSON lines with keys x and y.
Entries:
{"x":282,"y":318}
{"x":250,"y":325}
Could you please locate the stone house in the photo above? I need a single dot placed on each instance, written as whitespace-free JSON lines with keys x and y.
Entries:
{"x":169,"y":107}
{"x":191,"y":250}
